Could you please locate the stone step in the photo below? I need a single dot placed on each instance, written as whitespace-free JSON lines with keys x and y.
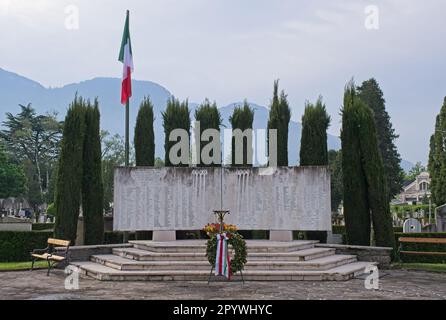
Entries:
{"x":199,"y":246}
{"x":145,"y":255}
{"x":299,"y":255}
{"x":105,"y":273}
{"x":324,"y":263}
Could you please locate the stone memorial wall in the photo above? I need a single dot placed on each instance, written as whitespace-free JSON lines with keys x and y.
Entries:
{"x":292,"y":198}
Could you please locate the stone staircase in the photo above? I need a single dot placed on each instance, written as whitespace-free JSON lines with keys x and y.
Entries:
{"x":186,"y":261}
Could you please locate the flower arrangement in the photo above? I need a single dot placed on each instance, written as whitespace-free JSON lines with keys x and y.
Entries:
{"x":214,"y":228}
{"x":235,"y":241}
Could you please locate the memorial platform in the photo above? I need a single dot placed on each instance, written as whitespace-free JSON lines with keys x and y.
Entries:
{"x":186,"y":261}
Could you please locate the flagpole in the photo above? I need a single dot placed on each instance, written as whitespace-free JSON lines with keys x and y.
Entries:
{"x":127,"y":143}
{"x":127,"y":118}
{"x":125,"y":236}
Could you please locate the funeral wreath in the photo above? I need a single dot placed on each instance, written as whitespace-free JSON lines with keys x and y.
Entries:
{"x":235,"y":241}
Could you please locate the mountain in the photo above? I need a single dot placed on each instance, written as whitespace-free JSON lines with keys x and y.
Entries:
{"x":15,"y":90}
{"x":406,"y":165}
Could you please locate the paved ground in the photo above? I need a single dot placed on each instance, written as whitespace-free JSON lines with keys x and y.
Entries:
{"x":396,"y":284}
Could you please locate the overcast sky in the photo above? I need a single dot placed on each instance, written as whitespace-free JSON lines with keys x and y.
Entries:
{"x":229,"y":50}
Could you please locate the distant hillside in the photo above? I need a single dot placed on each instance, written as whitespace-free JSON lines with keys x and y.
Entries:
{"x":406,"y":165}
{"x":15,"y":89}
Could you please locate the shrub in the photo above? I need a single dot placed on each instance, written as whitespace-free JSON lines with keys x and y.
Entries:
{"x":16,"y":246}
{"x":115,"y":237}
{"x":338,"y":229}
{"x":43,"y":226}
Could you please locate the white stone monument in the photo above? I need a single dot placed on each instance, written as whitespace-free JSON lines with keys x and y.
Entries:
{"x":169,"y":199}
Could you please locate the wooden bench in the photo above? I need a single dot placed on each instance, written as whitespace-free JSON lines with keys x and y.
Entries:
{"x":422,"y":240}
{"x":48,"y":253}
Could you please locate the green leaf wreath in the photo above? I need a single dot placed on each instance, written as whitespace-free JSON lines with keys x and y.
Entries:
{"x":238,"y":244}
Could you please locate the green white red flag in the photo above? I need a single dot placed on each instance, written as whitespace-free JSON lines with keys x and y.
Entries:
{"x":126,"y":57}
{"x":222,"y":259}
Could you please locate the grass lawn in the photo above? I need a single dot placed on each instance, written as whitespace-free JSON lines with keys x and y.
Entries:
{"x":436,"y":267}
{"x":16,"y":266}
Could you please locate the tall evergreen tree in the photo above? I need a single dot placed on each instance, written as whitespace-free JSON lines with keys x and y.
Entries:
{"x":242,"y":118}
{"x":365,"y":187}
{"x":69,"y":176}
{"x":209,"y":117}
{"x":437,"y":159}
{"x":356,"y":209}
{"x":371,"y":94}
{"x":92,"y":187}
{"x":378,"y":196}
{"x":279,"y":119}
{"x":144,"y":135}
{"x":313,"y":144}
{"x":176,"y":116}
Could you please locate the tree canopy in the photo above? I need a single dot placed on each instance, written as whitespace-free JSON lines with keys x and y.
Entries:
{"x":313,"y":144}
{"x":144,"y":135}
{"x":33,"y":140}
{"x":279,"y":119}
{"x":242,"y":119}
{"x":371,"y":94}
{"x":12,"y":177}
{"x":366,"y":200}
{"x":437,"y":158}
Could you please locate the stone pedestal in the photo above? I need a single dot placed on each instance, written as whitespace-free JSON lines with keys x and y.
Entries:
{"x":280,"y":235}
{"x":164,"y":236}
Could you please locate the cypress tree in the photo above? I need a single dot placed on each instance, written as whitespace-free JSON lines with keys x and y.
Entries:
{"x":365,"y":187}
{"x":313,"y":144}
{"x":176,"y":116}
{"x":144,"y":135}
{"x":371,"y":94}
{"x":356,"y":209}
{"x":437,"y":159}
{"x":69,"y":177}
{"x":92,"y":187}
{"x":209,"y":117}
{"x":279,"y":119}
{"x":242,"y":118}
{"x":378,"y":196}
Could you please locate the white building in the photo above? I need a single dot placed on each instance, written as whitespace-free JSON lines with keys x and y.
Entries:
{"x":417,"y":190}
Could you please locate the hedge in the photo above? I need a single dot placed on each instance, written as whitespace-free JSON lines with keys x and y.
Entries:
{"x":43,"y":226}
{"x":341,"y":229}
{"x":115,"y":237}
{"x":15,"y":246}
{"x":422,"y":247}
{"x":338,"y":229}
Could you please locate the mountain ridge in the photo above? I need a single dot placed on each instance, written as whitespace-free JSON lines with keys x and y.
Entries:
{"x":16,"y":89}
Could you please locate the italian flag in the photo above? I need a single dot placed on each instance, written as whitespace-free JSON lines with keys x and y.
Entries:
{"x":222,"y":260}
{"x":126,"y":57}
